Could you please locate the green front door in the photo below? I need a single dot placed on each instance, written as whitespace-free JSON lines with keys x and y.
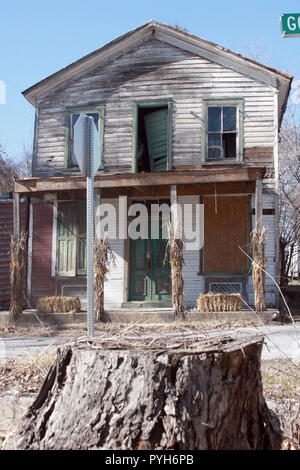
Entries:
{"x":149,"y":275}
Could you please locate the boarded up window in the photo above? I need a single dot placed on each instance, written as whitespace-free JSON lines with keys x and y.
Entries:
{"x":225,"y":229}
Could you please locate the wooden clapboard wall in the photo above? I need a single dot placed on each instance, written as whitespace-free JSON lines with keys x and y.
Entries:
{"x":154,"y":71}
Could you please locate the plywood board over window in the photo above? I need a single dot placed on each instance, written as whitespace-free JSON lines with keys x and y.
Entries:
{"x":225,"y":230}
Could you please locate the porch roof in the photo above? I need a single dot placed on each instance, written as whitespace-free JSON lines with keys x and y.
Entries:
{"x":222,"y":174}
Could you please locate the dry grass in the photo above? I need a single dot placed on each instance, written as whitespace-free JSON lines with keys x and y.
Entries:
{"x":80,"y":329}
{"x":25,"y":374}
{"x":20,"y":380}
{"x":58,"y":304}
{"x":281,"y":389}
{"x":220,"y":303}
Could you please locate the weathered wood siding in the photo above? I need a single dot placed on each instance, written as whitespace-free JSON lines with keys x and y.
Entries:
{"x":114,"y":279}
{"x":154,"y":71}
{"x":193,"y":283}
{"x":42,"y":282}
{"x":6,"y":230}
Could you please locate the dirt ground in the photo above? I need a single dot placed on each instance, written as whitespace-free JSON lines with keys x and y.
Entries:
{"x":20,"y":379}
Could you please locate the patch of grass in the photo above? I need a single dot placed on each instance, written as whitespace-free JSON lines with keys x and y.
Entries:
{"x":281,"y":379}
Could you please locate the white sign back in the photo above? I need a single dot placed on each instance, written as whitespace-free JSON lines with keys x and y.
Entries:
{"x":80,"y":142}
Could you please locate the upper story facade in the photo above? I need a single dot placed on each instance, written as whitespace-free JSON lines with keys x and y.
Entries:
{"x":161,"y":100}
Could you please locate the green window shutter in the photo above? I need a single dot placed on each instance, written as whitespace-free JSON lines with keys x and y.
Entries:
{"x":81,"y":240}
{"x":71,"y":239}
{"x":66,"y":241}
{"x":156,"y":125}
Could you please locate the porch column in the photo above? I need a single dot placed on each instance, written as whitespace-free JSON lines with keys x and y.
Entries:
{"x":16,"y":213}
{"x":175,"y":246}
{"x":97,"y":215}
{"x":258,"y":204}
{"x":175,"y":220}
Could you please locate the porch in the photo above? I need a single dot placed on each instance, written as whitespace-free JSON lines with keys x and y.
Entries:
{"x":232,"y":198}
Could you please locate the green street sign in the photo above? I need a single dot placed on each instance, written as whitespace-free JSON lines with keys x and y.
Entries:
{"x":290,"y":25}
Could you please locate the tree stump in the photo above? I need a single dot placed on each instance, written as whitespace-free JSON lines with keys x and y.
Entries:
{"x":204,"y":394}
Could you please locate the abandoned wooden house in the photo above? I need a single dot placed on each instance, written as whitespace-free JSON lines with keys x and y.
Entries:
{"x":179,"y":118}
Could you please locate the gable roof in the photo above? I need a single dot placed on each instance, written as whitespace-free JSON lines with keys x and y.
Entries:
{"x":181,"y":39}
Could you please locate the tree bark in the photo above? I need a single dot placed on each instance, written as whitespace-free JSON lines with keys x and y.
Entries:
{"x":205,"y":396}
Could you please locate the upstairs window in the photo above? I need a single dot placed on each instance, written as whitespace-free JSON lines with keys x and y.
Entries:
{"x":223,"y":132}
{"x":72,"y":115}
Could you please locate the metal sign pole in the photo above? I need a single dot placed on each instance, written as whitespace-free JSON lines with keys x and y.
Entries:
{"x":87,"y":151}
{"x":90,"y":229}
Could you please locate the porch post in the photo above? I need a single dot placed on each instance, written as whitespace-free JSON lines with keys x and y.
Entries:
{"x":97,"y":215}
{"x":258,"y":204}
{"x":175,"y":246}
{"x":258,"y":241}
{"x":174,"y":211}
{"x":16,"y":214}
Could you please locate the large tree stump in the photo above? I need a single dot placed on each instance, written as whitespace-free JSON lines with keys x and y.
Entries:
{"x":205,"y":395}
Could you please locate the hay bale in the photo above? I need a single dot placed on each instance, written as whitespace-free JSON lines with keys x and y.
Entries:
{"x":58,"y":304}
{"x":219,"y":303}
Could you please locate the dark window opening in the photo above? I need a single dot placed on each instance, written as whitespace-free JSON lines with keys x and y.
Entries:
{"x":152,"y":139}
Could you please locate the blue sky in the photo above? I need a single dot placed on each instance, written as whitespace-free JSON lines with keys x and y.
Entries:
{"x":39,"y":38}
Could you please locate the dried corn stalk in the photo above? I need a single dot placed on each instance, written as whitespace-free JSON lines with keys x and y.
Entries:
{"x":175,"y":249}
{"x":103,"y":256}
{"x":258,"y":241}
{"x":18,"y":264}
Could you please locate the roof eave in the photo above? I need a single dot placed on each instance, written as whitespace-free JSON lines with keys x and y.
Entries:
{"x":218,"y":54}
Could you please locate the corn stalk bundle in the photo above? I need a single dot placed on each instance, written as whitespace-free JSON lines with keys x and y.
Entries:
{"x":257,"y":245}
{"x":219,"y":303}
{"x":103,"y":256}
{"x":175,"y":250}
{"x":18,"y":264}
{"x":58,"y":304}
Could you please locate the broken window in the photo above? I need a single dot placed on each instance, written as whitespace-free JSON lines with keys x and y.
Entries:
{"x":152,"y":137}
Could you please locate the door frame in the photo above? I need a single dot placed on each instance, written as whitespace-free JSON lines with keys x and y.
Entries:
{"x":168,"y":103}
{"x":135,"y":303}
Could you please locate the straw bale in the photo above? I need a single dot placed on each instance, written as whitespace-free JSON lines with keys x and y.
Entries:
{"x":219,"y":302}
{"x":58,"y":304}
